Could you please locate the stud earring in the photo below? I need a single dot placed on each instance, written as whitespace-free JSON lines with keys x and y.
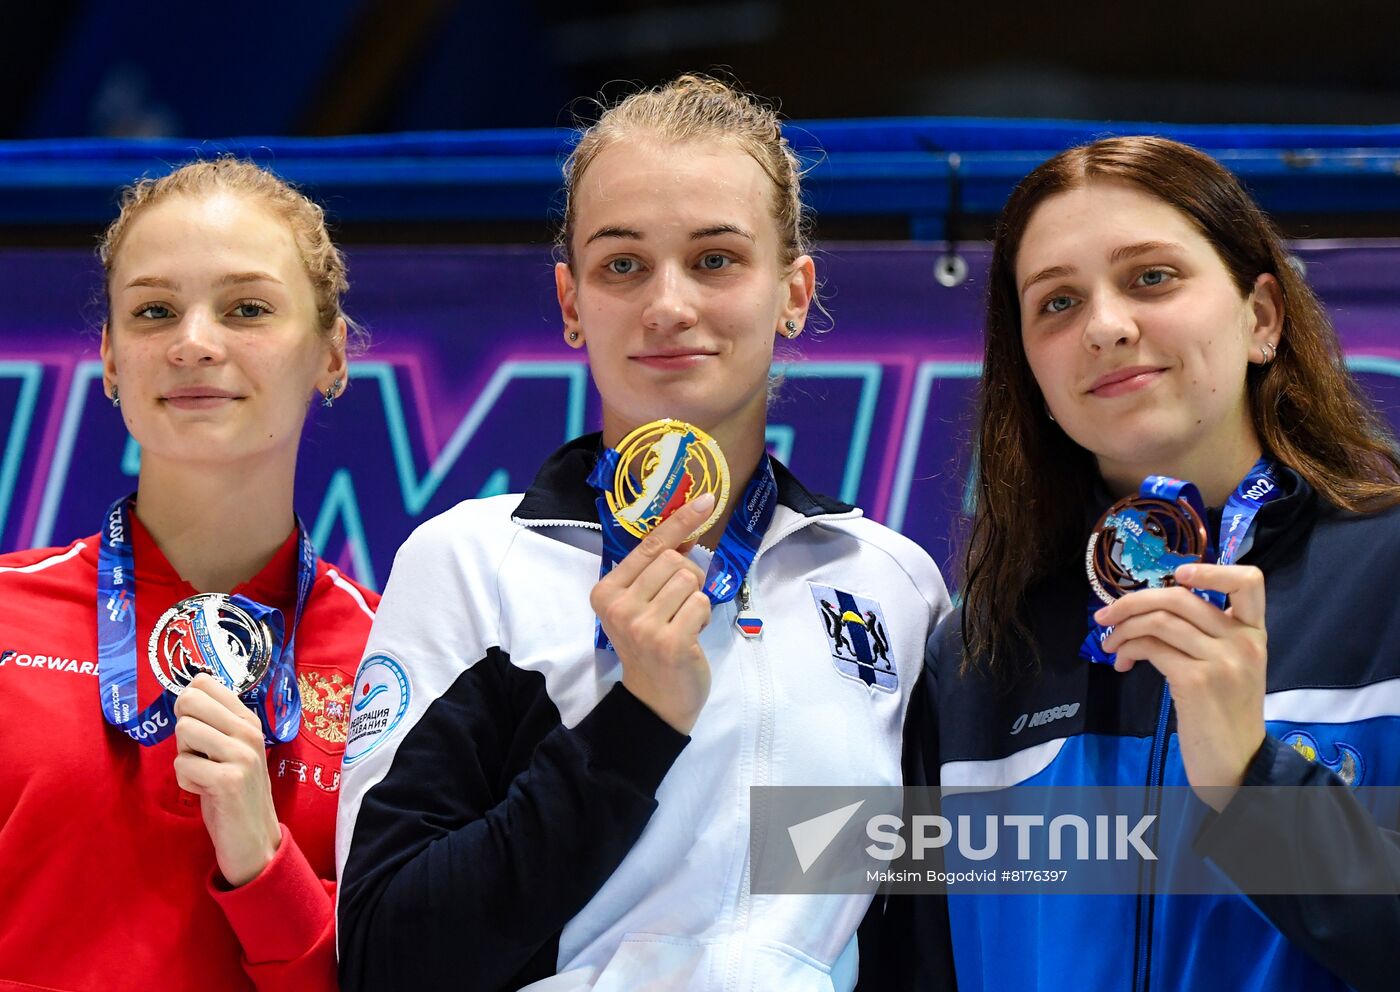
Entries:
{"x":116,"y":400}
{"x":573,"y":337}
{"x":332,"y":391}
{"x":791,"y":329}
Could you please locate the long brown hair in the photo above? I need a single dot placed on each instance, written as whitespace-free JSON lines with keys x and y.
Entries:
{"x":1034,"y":482}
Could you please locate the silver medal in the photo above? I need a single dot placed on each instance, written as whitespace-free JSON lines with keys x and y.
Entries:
{"x":209,"y":633}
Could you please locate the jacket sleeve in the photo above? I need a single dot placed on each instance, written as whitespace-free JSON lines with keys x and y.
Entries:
{"x":1319,"y":839}
{"x":285,"y":921}
{"x":445,"y":880}
{"x":472,"y":833}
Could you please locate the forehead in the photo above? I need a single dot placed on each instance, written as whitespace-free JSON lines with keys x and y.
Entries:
{"x":220,"y":231}
{"x":1083,"y":225}
{"x":653,"y":186}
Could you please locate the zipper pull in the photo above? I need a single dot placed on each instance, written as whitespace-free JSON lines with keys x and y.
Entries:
{"x":749,"y":625}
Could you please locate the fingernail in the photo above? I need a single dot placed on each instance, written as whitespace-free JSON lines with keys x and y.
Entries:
{"x":1098,"y":614}
{"x":704,"y":503}
{"x":1184,"y":573}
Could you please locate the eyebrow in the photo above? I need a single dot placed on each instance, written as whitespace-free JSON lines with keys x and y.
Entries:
{"x":614,"y":232}
{"x":1142,"y":248}
{"x":632,"y":234}
{"x":232,"y":279}
{"x":236,"y":278}
{"x":1054,"y":272}
{"x":718,"y":229}
{"x":155,"y":282}
{"x":1114,"y":257}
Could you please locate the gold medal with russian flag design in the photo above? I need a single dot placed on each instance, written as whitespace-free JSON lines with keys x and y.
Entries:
{"x":661,"y":467}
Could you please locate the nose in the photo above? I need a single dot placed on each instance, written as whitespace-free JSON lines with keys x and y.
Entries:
{"x":1109,"y":322}
{"x":199,"y":340}
{"x":671,"y":306}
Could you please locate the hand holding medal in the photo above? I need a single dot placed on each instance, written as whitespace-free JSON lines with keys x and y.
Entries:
{"x":1168,"y":608}
{"x":666,"y":484}
{"x":229,"y":691}
{"x":220,"y":758}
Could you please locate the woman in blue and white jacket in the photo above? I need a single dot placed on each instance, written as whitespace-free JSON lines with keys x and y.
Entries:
{"x":1144,"y":319}
{"x":523,"y":809}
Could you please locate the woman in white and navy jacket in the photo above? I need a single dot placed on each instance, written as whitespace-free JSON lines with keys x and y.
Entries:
{"x":521,"y":808}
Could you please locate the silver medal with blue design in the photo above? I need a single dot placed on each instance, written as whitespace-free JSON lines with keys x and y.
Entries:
{"x":210,"y":632}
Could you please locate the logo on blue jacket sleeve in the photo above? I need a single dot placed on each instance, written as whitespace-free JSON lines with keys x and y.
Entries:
{"x":1348,"y":765}
{"x":857,"y":636}
{"x":377,"y":707}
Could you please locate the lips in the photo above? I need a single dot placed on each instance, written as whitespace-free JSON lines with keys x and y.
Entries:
{"x":198,"y":397}
{"x":1122,"y":381}
{"x":688,"y":358}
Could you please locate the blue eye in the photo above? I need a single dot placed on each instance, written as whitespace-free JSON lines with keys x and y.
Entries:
{"x":1057,"y":304}
{"x":715,"y":261}
{"x":1154,"y":277}
{"x":251,"y":309}
{"x":622,"y":266}
{"x":154,"y":311}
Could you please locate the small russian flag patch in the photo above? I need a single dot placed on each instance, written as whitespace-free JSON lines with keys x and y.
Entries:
{"x":750,"y":626}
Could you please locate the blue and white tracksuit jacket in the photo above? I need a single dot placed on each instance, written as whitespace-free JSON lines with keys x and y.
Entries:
{"x":1333,"y":696}
{"x":512,"y":817}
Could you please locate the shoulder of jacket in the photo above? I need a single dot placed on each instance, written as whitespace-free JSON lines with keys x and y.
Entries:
{"x":34,"y":561}
{"x":345,"y":595}
{"x":894,"y":548}
{"x":474,"y":526}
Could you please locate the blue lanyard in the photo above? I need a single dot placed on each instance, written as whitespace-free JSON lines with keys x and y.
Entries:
{"x":1259,"y":487}
{"x":737,"y":545}
{"x":116,"y":643}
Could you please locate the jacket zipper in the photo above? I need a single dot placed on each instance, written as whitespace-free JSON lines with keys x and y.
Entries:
{"x":1146,"y":900}
{"x":764,"y":746}
{"x":762,"y":753}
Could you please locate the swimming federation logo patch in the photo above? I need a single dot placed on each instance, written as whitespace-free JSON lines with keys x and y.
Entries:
{"x":857,"y":636}
{"x":377,"y":706}
{"x":1348,"y":765}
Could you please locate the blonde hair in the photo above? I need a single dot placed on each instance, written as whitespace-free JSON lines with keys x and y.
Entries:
{"x":325,"y":265}
{"x":695,"y":107}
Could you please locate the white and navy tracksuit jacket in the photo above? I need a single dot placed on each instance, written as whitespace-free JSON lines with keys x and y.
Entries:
{"x":511,"y":815}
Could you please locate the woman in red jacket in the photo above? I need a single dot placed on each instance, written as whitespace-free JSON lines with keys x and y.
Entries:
{"x":170,"y":757}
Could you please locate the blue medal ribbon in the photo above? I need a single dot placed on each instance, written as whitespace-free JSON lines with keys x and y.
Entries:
{"x":116,"y":643}
{"x":737,"y":545}
{"x":1259,"y":487}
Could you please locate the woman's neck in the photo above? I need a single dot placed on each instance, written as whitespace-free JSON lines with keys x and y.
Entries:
{"x":1216,"y":471}
{"x":218,"y":526}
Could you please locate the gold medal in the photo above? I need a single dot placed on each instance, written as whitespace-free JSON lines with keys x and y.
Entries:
{"x":661,"y":466}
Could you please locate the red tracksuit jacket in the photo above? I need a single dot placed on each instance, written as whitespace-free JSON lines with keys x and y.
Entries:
{"x":107,"y":875}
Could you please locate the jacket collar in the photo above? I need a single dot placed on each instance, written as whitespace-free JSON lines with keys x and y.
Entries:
{"x":561,"y":494}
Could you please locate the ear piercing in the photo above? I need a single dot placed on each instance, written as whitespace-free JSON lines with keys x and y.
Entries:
{"x":791,"y":330}
{"x":332,"y":391}
{"x":1267,"y":353}
{"x":116,"y":400}
{"x":573,"y":337}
